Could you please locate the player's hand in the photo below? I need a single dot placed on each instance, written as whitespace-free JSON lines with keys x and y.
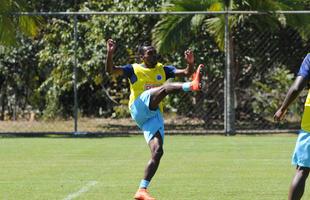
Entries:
{"x":189,"y":56}
{"x":111,"y":46}
{"x":279,"y":115}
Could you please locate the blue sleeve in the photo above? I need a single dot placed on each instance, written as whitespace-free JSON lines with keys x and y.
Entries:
{"x":129,"y":73}
{"x":170,"y":71}
{"x":128,"y":70}
{"x":305,"y":68}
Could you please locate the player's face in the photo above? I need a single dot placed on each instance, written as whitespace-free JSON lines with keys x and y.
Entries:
{"x":150,"y":56}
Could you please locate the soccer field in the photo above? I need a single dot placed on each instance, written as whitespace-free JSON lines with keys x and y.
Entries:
{"x":193,"y":167}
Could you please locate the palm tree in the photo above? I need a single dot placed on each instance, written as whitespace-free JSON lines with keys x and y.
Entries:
{"x":10,"y":24}
{"x":172,"y":30}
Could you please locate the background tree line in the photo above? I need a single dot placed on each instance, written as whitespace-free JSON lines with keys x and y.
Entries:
{"x":36,"y":73}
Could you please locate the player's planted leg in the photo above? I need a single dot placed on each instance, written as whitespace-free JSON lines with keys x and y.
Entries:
{"x":298,"y":184}
{"x":156,"y":147}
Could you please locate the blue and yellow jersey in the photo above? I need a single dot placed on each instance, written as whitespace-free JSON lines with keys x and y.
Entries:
{"x":305,"y":72}
{"x":142,"y":78}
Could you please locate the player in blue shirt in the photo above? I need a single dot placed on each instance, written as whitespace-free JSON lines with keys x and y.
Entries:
{"x":301,"y":155}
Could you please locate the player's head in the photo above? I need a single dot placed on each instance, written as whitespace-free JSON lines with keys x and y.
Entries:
{"x":148,"y":54}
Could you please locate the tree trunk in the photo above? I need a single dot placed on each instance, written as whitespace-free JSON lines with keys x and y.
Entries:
{"x":3,"y":96}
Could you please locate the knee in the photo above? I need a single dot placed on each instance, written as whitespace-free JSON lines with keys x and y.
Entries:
{"x":303,"y":173}
{"x":166,"y":87}
{"x":157,"y":153}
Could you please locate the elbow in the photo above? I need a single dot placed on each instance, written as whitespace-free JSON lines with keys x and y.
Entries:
{"x":296,"y":89}
{"x":111,"y":71}
{"x":299,"y":84}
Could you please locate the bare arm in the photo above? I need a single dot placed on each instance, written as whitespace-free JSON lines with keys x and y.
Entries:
{"x":109,"y":65}
{"x":291,"y":95}
{"x":188,"y":71}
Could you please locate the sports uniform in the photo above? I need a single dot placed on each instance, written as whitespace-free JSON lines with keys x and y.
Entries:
{"x":142,"y":80}
{"x":301,"y":155}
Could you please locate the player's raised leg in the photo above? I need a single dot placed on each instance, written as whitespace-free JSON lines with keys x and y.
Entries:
{"x":159,"y":93}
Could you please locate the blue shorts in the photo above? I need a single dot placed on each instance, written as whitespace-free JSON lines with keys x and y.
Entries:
{"x":149,"y":121}
{"x":301,"y":155}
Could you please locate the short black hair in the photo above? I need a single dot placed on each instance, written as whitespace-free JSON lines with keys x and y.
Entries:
{"x":142,"y":47}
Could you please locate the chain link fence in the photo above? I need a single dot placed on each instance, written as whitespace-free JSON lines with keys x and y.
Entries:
{"x":56,"y":82}
{"x":266,"y":65}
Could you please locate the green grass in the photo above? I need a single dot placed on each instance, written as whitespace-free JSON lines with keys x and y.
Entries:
{"x":193,"y":167}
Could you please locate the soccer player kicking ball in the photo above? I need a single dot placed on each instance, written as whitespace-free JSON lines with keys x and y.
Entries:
{"x":147,"y":90}
{"x":301,"y":155}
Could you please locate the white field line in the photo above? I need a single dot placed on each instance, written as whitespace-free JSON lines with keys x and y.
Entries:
{"x":81,"y":191}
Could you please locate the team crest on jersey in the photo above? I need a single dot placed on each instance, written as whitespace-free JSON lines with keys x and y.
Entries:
{"x":159,"y":77}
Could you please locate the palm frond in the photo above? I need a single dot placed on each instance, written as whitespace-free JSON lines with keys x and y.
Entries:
{"x":227,"y":3}
{"x":7,"y":31}
{"x":196,"y":22}
{"x":169,"y":33}
{"x":28,"y":25}
{"x":300,"y":22}
{"x":216,"y":6}
{"x":216,"y":28}
{"x":261,"y":5}
{"x":5,"y":5}
{"x":193,"y":5}
{"x":274,"y":21}
{"x":10,"y":25}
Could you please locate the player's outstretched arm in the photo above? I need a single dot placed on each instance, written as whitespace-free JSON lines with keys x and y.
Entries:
{"x":188,"y":71}
{"x":110,"y":68}
{"x":291,"y":95}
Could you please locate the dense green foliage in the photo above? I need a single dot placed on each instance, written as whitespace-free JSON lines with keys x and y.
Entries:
{"x":257,"y":42}
{"x":37,"y":74}
{"x":11,"y":25}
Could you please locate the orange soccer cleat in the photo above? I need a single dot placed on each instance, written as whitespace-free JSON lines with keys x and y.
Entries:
{"x":197,"y":78}
{"x":142,"y":194}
